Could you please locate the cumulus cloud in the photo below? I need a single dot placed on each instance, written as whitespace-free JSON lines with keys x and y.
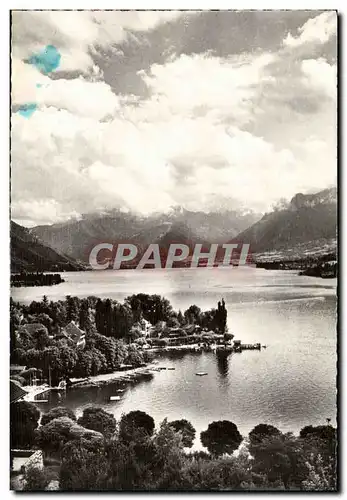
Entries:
{"x":201,"y":84}
{"x":77,"y":34}
{"x":317,"y":30}
{"x":320,"y":75}
{"x":80,"y":96}
{"x":248,"y":127}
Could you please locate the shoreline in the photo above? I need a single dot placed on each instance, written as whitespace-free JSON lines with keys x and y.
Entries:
{"x":121,"y":376}
{"x":129,"y":375}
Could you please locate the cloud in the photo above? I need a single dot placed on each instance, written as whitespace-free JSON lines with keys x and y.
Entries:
{"x":317,"y":30}
{"x":40,"y":211}
{"x":320,"y":75}
{"x":200,"y":84}
{"x":80,"y":96}
{"x":209,"y":131}
{"x":77,"y":34}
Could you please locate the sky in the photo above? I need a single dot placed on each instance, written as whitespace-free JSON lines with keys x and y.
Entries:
{"x":146,"y":110}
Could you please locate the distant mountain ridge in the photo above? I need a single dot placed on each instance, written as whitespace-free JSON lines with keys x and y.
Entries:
{"x":78,"y":237}
{"x":307,"y":221}
{"x":307,"y":218}
{"x":29,"y":254}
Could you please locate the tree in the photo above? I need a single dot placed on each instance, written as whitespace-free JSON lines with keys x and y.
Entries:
{"x":134,"y":356}
{"x":169,"y":458}
{"x":18,"y":356}
{"x":98,"y":420}
{"x":67,"y":362}
{"x":132,"y":463}
{"x":320,"y":440}
{"x":193,"y":315}
{"x":281,"y":458}
{"x":42,"y":338}
{"x":85,"y":320}
{"x":134,"y":423}
{"x":84,"y":364}
{"x":42,"y":318}
{"x":15,"y":319}
{"x":33,"y":337}
{"x":72,"y":308}
{"x":221,"y":317}
{"x":108,"y":318}
{"x":180,"y":318}
{"x":59,"y":411}
{"x":320,"y":477}
{"x":45,"y":302}
{"x":114,"y":351}
{"x":53,"y":436}
{"x":153,"y":308}
{"x":24,"y":418}
{"x":261,"y":432}
{"x":123,"y":321}
{"x":35,"y":479}
{"x":323,"y":435}
{"x":221,"y":474}
{"x":99,"y":317}
{"x":221,"y":437}
{"x":186,"y":429}
{"x":99,"y":361}
{"x":84,"y":466}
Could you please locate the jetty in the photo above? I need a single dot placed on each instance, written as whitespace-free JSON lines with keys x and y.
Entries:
{"x":256,"y":346}
{"x":239,"y":347}
{"x":34,"y":391}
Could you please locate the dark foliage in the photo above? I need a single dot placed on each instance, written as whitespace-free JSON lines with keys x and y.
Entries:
{"x":24,"y":418}
{"x":187,"y":430}
{"x":221,"y":437}
{"x":135,"y":423}
{"x":98,"y":420}
{"x":59,"y":411}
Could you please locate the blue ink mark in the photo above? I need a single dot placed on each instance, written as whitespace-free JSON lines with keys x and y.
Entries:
{"x":39,"y":85}
{"x":27,"y":110}
{"x":47,"y":60}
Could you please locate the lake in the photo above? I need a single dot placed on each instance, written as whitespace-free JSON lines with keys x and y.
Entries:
{"x":290,"y":384}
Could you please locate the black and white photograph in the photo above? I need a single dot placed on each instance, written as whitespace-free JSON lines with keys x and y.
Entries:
{"x":173,"y":251}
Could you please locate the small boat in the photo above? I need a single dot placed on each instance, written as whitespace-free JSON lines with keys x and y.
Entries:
{"x":264,"y":346}
{"x":114,"y":398}
{"x":120,"y":391}
{"x":200,"y":374}
{"x":171,"y":368}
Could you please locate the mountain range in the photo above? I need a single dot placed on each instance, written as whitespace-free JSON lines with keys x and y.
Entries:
{"x":307,"y":223}
{"x":76,"y":238}
{"x":306,"y":219}
{"x":29,"y":254}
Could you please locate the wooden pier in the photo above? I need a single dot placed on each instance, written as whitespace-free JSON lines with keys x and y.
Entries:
{"x":256,"y":346}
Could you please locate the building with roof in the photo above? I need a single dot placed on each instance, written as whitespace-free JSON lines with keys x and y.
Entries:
{"x":74,"y":335}
{"x":17,"y":369}
{"x":17,"y":392}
